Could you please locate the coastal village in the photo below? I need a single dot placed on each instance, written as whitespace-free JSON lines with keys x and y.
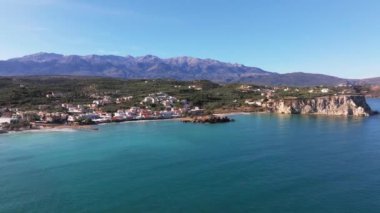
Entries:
{"x":159,"y":105}
{"x":91,"y":113}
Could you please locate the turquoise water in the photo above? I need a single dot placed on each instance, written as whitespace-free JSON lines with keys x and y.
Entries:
{"x":260,"y":163}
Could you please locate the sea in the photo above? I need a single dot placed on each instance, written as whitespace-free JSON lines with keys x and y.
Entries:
{"x":259,"y":163}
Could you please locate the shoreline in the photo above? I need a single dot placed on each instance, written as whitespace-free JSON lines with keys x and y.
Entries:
{"x":42,"y":130}
{"x":93,"y":127}
{"x":74,"y":128}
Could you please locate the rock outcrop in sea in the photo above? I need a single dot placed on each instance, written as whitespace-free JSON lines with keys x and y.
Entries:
{"x":207,"y":119}
{"x":346,"y":105}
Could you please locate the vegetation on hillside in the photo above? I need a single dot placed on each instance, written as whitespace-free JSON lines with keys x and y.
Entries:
{"x":48,"y":93}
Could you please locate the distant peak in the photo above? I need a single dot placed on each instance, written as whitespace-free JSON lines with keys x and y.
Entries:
{"x":102,"y":57}
{"x":148,"y":58}
{"x":41,"y":53}
{"x":40,"y":57}
{"x":44,"y":54}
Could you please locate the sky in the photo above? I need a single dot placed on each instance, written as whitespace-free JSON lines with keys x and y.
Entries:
{"x":335,"y":37}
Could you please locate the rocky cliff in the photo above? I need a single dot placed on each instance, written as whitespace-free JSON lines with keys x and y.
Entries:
{"x":347,"y":105}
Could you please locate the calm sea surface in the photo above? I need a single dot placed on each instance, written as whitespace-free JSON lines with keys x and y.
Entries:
{"x":260,"y":163}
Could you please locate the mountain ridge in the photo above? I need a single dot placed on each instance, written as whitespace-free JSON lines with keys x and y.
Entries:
{"x":151,"y":67}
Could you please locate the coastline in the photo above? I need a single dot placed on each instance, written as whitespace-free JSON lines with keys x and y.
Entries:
{"x":43,"y":130}
{"x":93,"y":127}
{"x":74,"y":128}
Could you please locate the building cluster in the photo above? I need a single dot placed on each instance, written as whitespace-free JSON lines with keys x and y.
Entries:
{"x":266,"y":95}
{"x":159,"y":98}
{"x":166,"y":107}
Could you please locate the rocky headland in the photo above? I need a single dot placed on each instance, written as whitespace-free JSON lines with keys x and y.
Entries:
{"x":344,"y":105}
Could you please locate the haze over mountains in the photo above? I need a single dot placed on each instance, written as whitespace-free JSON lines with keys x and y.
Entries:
{"x":151,"y":67}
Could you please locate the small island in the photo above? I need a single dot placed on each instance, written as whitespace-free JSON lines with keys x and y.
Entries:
{"x":212,"y":119}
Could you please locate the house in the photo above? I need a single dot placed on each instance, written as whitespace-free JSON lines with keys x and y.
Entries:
{"x":75,"y":109}
{"x":195,"y":87}
{"x":159,"y":98}
{"x":71,"y":118}
{"x":249,"y":102}
{"x":325,"y":90}
{"x":195,"y":111}
{"x":98,"y":102}
{"x":103,"y":117}
{"x":55,"y":117}
{"x":245,"y":88}
{"x":89,"y":116}
{"x":150,"y":100}
{"x":134,"y":109}
{"x":166,"y":114}
{"x":123,"y":99}
{"x":54,"y":95}
{"x":66,"y":106}
{"x":167,"y":103}
{"x":107,"y":100}
{"x":120,"y":114}
{"x":253,"y":102}
{"x":145,"y":114}
{"x":5,"y":120}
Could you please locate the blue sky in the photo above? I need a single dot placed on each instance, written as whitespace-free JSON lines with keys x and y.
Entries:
{"x":336,"y":37}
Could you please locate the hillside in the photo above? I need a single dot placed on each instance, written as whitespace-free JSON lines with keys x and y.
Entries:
{"x":32,"y":92}
{"x":294,"y":79}
{"x":373,"y":81}
{"x":152,"y":67}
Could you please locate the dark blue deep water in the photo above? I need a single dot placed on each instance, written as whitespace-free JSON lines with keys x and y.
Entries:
{"x":260,"y":163}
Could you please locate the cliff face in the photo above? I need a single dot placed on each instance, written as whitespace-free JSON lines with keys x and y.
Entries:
{"x":347,"y":105}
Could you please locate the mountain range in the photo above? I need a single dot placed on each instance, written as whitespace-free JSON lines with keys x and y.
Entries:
{"x":151,"y":67}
